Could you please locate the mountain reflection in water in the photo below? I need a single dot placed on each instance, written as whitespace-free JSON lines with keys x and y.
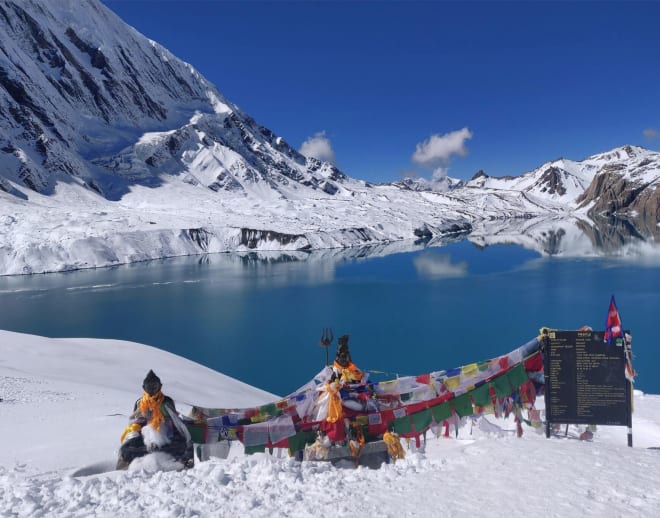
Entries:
{"x":409,"y":307}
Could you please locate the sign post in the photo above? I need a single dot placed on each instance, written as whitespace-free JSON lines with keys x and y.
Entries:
{"x":585,"y":380}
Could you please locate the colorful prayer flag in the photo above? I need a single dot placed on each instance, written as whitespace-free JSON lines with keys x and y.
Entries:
{"x":502,"y":386}
{"x":452,"y":382}
{"x":469,"y":371}
{"x":613,"y":324}
{"x":462,"y":405}
{"x":422,"y":420}
{"x":481,"y":395}
{"x":403,"y":425}
{"x":441,"y":412}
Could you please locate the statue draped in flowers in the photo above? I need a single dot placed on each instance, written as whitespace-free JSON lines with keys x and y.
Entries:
{"x":343,"y":365}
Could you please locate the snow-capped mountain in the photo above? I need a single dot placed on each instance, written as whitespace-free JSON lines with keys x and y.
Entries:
{"x":622,"y":181}
{"x":87,"y":99}
{"x":112,"y":150}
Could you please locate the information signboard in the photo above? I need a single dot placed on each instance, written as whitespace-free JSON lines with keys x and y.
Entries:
{"x":585,"y":379}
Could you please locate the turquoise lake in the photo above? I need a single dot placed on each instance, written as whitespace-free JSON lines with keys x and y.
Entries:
{"x":260,"y":320}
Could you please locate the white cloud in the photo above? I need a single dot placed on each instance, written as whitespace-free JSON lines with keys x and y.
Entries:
{"x":439,"y":180}
{"x":439,"y":173}
{"x":651,"y":133}
{"x":319,"y":147}
{"x":438,"y":149}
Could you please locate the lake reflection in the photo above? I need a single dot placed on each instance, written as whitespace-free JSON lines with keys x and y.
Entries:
{"x":258,"y":317}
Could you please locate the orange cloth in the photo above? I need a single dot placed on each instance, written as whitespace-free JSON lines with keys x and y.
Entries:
{"x":350,"y":373}
{"x":335,"y":410}
{"x":150,"y":409}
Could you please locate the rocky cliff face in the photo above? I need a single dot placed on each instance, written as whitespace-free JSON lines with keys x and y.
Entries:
{"x":628,"y":187}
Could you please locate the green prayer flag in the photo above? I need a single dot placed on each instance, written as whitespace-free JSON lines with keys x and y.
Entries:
{"x":300,"y":440}
{"x":422,"y":420}
{"x":196,"y":432}
{"x":462,"y":405}
{"x":402,"y":425}
{"x":502,"y":386}
{"x":481,"y":395}
{"x":441,"y":412}
{"x":517,"y":376}
{"x":249,"y":450}
{"x":270,"y":409}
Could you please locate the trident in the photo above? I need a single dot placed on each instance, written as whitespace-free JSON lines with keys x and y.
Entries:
{"x":326,"y":340}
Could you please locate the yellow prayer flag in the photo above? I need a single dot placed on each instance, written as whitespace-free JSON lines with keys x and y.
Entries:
{"x":470,"y":370}
{"x":453,"y":382}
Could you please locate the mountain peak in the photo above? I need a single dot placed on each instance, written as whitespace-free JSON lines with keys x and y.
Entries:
{"x":625,"y":152}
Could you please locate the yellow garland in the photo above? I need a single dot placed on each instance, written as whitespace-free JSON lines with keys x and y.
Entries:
{"x":133,"y":427}
{"x":150,"y":408}
{"x":394,"y":447}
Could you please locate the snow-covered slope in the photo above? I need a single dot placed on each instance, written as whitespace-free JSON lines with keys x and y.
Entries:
{"x":65,"y":404}
{"x":112,"y":150}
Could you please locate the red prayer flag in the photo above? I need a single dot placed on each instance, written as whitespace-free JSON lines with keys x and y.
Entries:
{"x":613,"y":325}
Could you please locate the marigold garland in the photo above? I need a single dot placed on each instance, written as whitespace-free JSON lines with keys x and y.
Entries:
{"x":150,"y":408}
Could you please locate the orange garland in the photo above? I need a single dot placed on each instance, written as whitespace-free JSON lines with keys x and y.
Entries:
{"x":150,"y":408}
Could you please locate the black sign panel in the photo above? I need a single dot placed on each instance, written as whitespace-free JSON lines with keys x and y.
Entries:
{"x":585,"y":379}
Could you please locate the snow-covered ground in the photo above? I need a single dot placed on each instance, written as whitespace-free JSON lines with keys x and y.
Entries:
{"x":65,"y":403}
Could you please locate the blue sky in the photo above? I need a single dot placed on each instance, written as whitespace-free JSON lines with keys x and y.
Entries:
{"x":395,"y":87}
